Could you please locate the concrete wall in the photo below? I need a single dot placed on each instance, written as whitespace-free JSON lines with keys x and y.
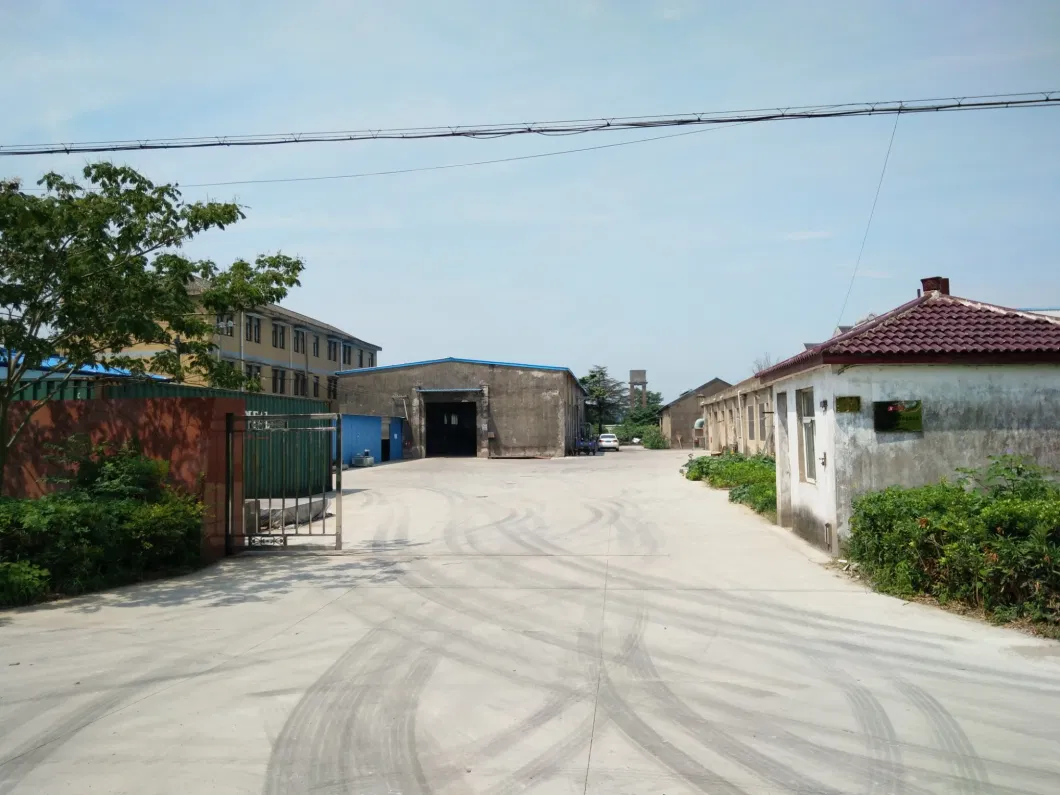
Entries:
{"x":812,"y":512}
{"x":678,"y":419}
{"x":969,"y":414}
{"x":729,"y":414}
{"x":530,"y":412}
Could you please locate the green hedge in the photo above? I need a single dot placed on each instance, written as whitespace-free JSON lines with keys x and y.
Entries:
{"x":118,"y":522}
{"x":751,"y":480}
{"x":991,"y":539}
{"x":652,"y":439}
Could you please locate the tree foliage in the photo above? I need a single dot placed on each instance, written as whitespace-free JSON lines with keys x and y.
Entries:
{"x":89,"y":269}
{"x":647,"y":414}
{"x":607,"y":398}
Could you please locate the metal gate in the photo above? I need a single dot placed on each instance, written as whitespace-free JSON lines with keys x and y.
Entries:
{"x":283,"y":474}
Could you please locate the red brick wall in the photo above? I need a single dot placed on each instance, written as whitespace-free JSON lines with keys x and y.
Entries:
{"x":189,"y":433}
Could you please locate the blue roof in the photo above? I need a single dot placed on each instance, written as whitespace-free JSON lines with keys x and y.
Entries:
{"x":553,"y":368}
{"x":55,"y":362}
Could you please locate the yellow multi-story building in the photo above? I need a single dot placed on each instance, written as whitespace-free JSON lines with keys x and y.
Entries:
{"x":288,"y":352}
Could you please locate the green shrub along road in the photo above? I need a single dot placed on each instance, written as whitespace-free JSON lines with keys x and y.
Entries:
{"x":990,"y":540}
{"x":116,"y":523}
{"x":751,"y":480}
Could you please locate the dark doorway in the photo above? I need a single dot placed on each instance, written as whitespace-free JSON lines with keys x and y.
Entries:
{"x":451,"y":429}
{"x":385,"y":450}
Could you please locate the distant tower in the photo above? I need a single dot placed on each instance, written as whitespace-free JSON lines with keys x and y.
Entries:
{"x":638,"y":378}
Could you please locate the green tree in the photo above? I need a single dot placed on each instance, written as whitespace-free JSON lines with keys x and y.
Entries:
{"x":647,"y":414}
{"x":89,"y":270}
{"x":607,"y":396}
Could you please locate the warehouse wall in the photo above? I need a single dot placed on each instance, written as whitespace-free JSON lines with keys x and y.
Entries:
{"x":530,"y":412}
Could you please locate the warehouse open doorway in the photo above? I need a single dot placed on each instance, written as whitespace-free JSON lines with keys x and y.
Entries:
{"x":451,"y":429}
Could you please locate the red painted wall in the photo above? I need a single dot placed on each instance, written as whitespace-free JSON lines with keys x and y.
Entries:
{"x":189,"y":433}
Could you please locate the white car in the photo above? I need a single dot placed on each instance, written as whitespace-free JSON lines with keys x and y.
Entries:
{"x":608,"y":441}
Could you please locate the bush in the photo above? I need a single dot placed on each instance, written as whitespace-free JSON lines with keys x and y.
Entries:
{"x":118,"y":523}
{"x":752,"y":480}
{"x":653,"y":439}
{"x":22,"y":583}
{"x":989,"y":540}
{"x":627,"y":432}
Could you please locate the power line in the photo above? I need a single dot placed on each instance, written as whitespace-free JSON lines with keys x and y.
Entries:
{"x":443,"y":167}
{"x":868,"y":226}
{"x":569,"y":127}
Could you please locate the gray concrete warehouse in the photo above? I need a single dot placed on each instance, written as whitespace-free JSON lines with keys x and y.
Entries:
{"x":466,"y":407}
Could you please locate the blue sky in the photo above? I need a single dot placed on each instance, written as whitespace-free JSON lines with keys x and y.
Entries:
{"x":687,"y":257}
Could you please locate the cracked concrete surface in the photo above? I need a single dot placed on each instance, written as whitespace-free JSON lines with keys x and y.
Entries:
{"x":585,"y":625}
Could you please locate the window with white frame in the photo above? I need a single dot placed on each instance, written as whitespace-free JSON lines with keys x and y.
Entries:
{"x":804,"y":412}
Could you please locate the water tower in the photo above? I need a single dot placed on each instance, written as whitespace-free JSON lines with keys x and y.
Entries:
{"x":638,"y":380}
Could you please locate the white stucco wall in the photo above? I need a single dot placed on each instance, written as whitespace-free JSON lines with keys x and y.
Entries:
{"x":969,"y":414}
{"x":812,"y":504}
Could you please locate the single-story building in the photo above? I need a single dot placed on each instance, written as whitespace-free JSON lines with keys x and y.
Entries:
{"x":908,"y":397}
{"x":678,"y":418}
{"x":467,"y":407}
{"x":740,"y":418}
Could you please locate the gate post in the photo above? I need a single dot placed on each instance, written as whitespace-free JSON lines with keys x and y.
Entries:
{"x":338,"y":481}
{"x":229,"y":481}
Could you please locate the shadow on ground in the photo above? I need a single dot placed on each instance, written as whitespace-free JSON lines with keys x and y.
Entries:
{"x":255,"y":577}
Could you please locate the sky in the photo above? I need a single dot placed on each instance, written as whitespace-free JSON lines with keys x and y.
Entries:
{"x":689,"y":257}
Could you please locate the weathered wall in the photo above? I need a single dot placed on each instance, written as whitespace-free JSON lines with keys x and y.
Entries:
{"x":678,"y":419}
{"x":970,"y":413}
{"x":729,"y":414}
{"x":189,"y":433}
{"x":530,"y":412}
{"x":782,"y":434}
{"x":812,"y":501}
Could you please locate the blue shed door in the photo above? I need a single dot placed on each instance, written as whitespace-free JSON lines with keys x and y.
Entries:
{"x":397,"y":437}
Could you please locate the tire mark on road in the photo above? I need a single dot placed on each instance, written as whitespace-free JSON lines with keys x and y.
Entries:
{"x":355,"y":726}
{"x":886,"y":774}
{"x":670,"y":756}
{"x":709,"y":734}
{"x":972,"y":778}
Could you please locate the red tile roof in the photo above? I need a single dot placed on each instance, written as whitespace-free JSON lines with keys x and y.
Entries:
{"x":936,"y":328}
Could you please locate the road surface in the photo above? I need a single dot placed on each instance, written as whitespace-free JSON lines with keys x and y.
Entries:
{"x":588,"y":625}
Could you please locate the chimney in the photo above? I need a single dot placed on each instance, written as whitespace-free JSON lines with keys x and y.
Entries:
{"x":937,"y":283}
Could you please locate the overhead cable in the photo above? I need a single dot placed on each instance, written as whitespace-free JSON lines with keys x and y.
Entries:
{"x":868,"y":224}
{"x":569,"y":127}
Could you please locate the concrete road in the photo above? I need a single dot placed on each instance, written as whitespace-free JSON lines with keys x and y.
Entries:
{"x":589,"y":625}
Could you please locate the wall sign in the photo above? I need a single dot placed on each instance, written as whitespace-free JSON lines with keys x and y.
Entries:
{"x":849,"y":404}
{"x":898,"y":416}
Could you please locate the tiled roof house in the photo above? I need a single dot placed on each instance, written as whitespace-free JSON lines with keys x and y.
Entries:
{"x":907,"y":397}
